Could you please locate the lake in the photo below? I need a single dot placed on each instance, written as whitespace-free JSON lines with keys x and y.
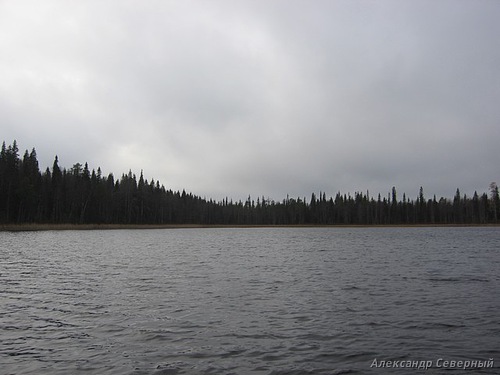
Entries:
{"x":250,"y":301}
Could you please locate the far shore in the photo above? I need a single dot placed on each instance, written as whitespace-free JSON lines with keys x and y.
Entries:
{"x":59,"y":227}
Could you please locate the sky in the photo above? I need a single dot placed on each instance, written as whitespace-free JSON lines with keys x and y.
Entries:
{"x":230,"y":98}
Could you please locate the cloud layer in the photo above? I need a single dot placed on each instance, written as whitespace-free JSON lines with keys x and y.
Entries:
{"x":231,"y":98}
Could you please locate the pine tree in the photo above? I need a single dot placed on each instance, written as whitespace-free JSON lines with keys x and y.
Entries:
{"x":495,"y":201}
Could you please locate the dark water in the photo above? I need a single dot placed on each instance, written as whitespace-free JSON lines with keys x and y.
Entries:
{"x":248,"y":301}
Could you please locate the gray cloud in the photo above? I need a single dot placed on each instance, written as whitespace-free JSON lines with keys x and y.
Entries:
{"x":262,"y":98}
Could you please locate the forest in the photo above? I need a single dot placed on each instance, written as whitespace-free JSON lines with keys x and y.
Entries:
{"x":82,"y":196}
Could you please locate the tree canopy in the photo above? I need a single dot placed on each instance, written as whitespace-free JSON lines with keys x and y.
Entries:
{"x":79,"y":195}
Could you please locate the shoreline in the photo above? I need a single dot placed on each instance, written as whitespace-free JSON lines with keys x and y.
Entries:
{"x":59,"y":227}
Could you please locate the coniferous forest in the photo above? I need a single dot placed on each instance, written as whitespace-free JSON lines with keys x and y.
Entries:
{"x":82,"y":196}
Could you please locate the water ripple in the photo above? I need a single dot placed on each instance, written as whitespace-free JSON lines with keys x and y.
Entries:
{"x":247,"y":301}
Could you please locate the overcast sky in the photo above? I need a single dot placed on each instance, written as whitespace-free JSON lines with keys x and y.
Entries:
{"x":276,"y":97}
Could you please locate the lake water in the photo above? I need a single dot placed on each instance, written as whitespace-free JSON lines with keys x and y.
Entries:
{"x":249,"y":301}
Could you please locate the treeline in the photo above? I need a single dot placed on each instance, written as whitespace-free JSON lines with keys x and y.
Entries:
{"x":82,"y":196}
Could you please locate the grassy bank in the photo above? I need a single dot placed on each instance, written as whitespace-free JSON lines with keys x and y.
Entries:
{"x":44,"y":227}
